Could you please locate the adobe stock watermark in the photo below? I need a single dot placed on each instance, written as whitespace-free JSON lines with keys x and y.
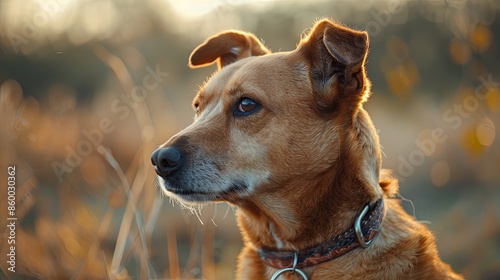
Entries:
{"x":11,"y":218}
{"x":454,"y":117}
{"x":30,"y":27}
{"x":121,"y":107}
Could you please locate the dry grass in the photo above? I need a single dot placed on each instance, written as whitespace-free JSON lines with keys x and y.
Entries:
{"x":104,"y":219}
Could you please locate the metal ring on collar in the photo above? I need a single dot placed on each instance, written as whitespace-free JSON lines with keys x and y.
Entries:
{"x":292,"y":269}
{"x":295,"y":261}
{"x":357,"y":228}
{"x":283,"y":270}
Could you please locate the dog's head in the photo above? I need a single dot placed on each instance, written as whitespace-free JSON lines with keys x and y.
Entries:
{"x":273,"y":124}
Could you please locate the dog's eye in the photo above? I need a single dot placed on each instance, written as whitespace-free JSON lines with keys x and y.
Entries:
{"x":246,"y":106}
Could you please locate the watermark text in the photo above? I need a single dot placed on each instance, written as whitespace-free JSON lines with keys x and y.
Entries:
{"x":11,"y":218}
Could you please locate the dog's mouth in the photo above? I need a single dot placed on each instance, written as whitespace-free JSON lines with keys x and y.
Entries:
{"x":232,"y":192}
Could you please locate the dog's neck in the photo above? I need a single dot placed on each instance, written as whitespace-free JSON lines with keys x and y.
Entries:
{"x":298,"y":227}
{"x":361,"y":234}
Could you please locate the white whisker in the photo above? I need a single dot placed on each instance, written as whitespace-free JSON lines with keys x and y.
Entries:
{"x":227,"y":211}
{"x":214,"y":215}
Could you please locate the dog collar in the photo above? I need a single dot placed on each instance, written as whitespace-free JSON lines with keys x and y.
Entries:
{"x":364,"y":230}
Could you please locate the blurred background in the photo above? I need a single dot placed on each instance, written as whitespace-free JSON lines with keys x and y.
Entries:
{"x":89,"y":88}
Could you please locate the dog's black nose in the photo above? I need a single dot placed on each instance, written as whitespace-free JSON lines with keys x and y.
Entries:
{"x":166,"y":160}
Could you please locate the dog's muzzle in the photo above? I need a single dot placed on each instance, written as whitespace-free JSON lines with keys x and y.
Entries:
{"x":187,"y":173}
{"x":166,"y":160}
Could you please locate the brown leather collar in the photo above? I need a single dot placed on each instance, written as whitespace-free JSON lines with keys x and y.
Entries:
{"x":369,"y":224}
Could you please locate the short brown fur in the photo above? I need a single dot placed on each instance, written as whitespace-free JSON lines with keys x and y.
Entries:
{"x":305,"y":163}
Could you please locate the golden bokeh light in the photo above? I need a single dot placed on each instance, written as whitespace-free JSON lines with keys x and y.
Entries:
{"x":480,"y":38}
{"x":493,"y":100}
{"x":485,"y":133}
{"x":470,"y":142}
{"x":440,"y":173}
{"x":459,"y":51}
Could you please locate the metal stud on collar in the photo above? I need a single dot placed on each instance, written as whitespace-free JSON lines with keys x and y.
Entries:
{"x":357,"y":228}
{"x":292,"y":269}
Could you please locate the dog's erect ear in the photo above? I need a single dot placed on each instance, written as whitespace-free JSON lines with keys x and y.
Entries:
{"x":336,"y":55}
{"x":226,"y":47}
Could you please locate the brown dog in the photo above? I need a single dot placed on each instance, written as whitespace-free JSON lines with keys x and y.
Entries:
{"x":284,"y":138}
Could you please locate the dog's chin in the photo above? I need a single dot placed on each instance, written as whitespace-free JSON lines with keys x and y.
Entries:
{"x":193,"y":197}
{"x":189,"y":196}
